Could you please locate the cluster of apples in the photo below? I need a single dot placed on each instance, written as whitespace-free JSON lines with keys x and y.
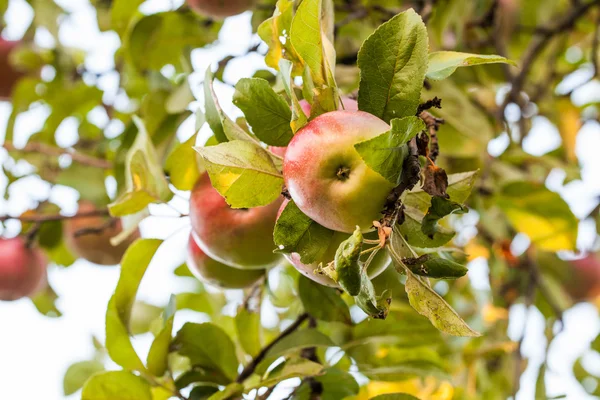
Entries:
{"x":23,"y":266}
{"x":328,"y":181}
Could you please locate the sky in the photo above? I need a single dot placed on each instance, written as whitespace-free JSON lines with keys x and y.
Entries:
{"x":35,"y":351}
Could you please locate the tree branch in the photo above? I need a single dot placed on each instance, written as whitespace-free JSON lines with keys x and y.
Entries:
{"x":249,"y":369}
{"x":41,"y":148}
{"x":55,"y":217}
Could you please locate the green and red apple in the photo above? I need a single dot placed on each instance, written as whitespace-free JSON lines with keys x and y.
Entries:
{"x":218,"y":274}
{"x":240,"y":238}
{"x":220,"y":8}
{"x":96,"y":247}
{"x":22,"y":269}
{"x":327,"y":178}
{"x":8,"y":74}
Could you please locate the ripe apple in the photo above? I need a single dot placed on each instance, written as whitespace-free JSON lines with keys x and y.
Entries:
{"x":218,"y":274}
{"x":583,"y":281}
{"x":22,"y":269}
{"x":377,"y":266}
{"x":8,"y":74}
{"x":326,"y":176}
{"x":240,"y":238}
{"x":95,"y":246}
{"x":220,"y":8}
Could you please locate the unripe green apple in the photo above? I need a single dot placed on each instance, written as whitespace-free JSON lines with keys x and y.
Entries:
{"x":220,"y":8}
{"x":218,"y":274}
{"x":240,"y":238}
{"x":22,"y":269}
{"x":95,"y":247}
{"x":8,"y":74}
{"x":326,"y":176}
{"x":379,"y":263}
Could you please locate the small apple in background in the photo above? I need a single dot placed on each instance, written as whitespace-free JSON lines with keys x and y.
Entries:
{"x":22,"y":269}
{"x":95,"y":247}
{"x":379,"y":263}
{"x":326,"y":176}
{"x":8,"y":74}
{"x":240,"y":238}
{"x":218,"y":274}
{"x":220,"y":8}
{"x":583,"y":281}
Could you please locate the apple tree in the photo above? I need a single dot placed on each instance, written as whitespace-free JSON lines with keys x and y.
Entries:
{"x":381,"y":152}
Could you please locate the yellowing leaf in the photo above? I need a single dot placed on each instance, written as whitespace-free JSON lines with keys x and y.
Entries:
{"x":442,"y":64}
{"x":569,"y":124}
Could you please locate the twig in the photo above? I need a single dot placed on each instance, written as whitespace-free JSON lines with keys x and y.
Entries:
{"x":95,"y":230}
{"x":55,"y":217}
{"x":433,"y":125}
{"x":41,"y":148}
{"x":249,"y":369}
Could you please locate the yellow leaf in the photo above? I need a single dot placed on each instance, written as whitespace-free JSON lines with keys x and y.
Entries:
{"x":569,"y":125}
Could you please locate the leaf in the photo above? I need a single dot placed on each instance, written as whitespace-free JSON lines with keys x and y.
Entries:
{"x":337,"y":384}
{"x":232,"y":390}
{"x":243,"y":173}
{"x":393,"y":62}
{"x":442,"y":64}
{"x":440,"y":207}
{"x":45,"y":302}
{"x":160,"y":39}
{"x":346,"y":263}
{"x":144,"y":176}
{"x":322,"y":302}
{"x":118,"y":314}
{"x":306,"y":36}
{"x":121,"y":14}
{"x":569,"y":124}
{"x":412,"y":231}
{"x":295,"y":368}
{"x":77,"y":374}
{"x":247,"y":325}
{"x":435,"y":180}
{"x":439,"y":268}
{"x":395,"y":396}
{"x":157,"y":360}
{"x":179,"y":100}
{"x":207,"y":346}
{"x":273,"y":29}
{"x":113,"y":385}
{"x":88,"y":181}
{"x":385,"y":153}
{"x":266,"y":112}
{"x":373,"y":305}
{"x":541,"y":214}
{"x":297,"y":233}
{"x":182,"y":165}
{"x":298,"y":116}
{"x":459,"y":190}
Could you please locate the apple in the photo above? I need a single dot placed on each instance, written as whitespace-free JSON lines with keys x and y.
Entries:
{"x":8,"y":74}
{"x":326,"y":176}
{"x":220,"y":8}
{"x":22,"y":269}
{"x":379,"y":263}
{"x":218,"y":274}
{"x":95,"y":247}
{"x":583,"y":281}
{"x":240,"y":238}
{"x":347,"y":104}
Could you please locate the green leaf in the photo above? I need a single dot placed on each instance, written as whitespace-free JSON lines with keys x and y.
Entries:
{"x":121,"y":14}
{"x":45,"y":302}
{"x":182,"y":165}
{"x":337,"y":384}
{"x":266,"y":112}
{"x":143,"y":316}
{"x":158,"y":355}
{"x":231,"y":390}
{"x":273,"y":29}
{"x":112,"y":385}
{"x":322,"y":302}
{"x":541,"y":214}
{"x":144,"y":175}
{"x":442,"y":64}
{"x":368,"y":301}
{"x":297,"y":233}
{"x":307,"y":38}
{"x":118,"y":314}
{"x":247,"y":325}
{"x":179,"y":100}
{"x":160,"y":39}
{"x":459,"y":190}
{"x":88,"y":181}
{"x":202,"y":392}
{"x":411,"y":230}
{"x":222,"y":126}
{"x":385,"y":153}
{"x":77,"y":374}
{"x":346,"y":263}
{"x":393,"y":62}
{"x":243,"y":173}
{"x":298,"y":117}
{"x":294,"y":368}
{"x":208,"y":346}
{"x":395,"y":396}
{"x":439,"y":268}
{"x":440,"y":207}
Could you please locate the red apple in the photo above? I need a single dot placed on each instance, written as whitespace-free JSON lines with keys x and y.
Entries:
{"x":95,"y":246}
{"x":8,"y":74}
{"x":240,"y":238}
{"x":220,"y":8}
{"x":583,"y":281}
{"x":377,"y":266}
{"x":22,"y":269}
{"x":326,"y":176}
{"x":218,"y":274}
